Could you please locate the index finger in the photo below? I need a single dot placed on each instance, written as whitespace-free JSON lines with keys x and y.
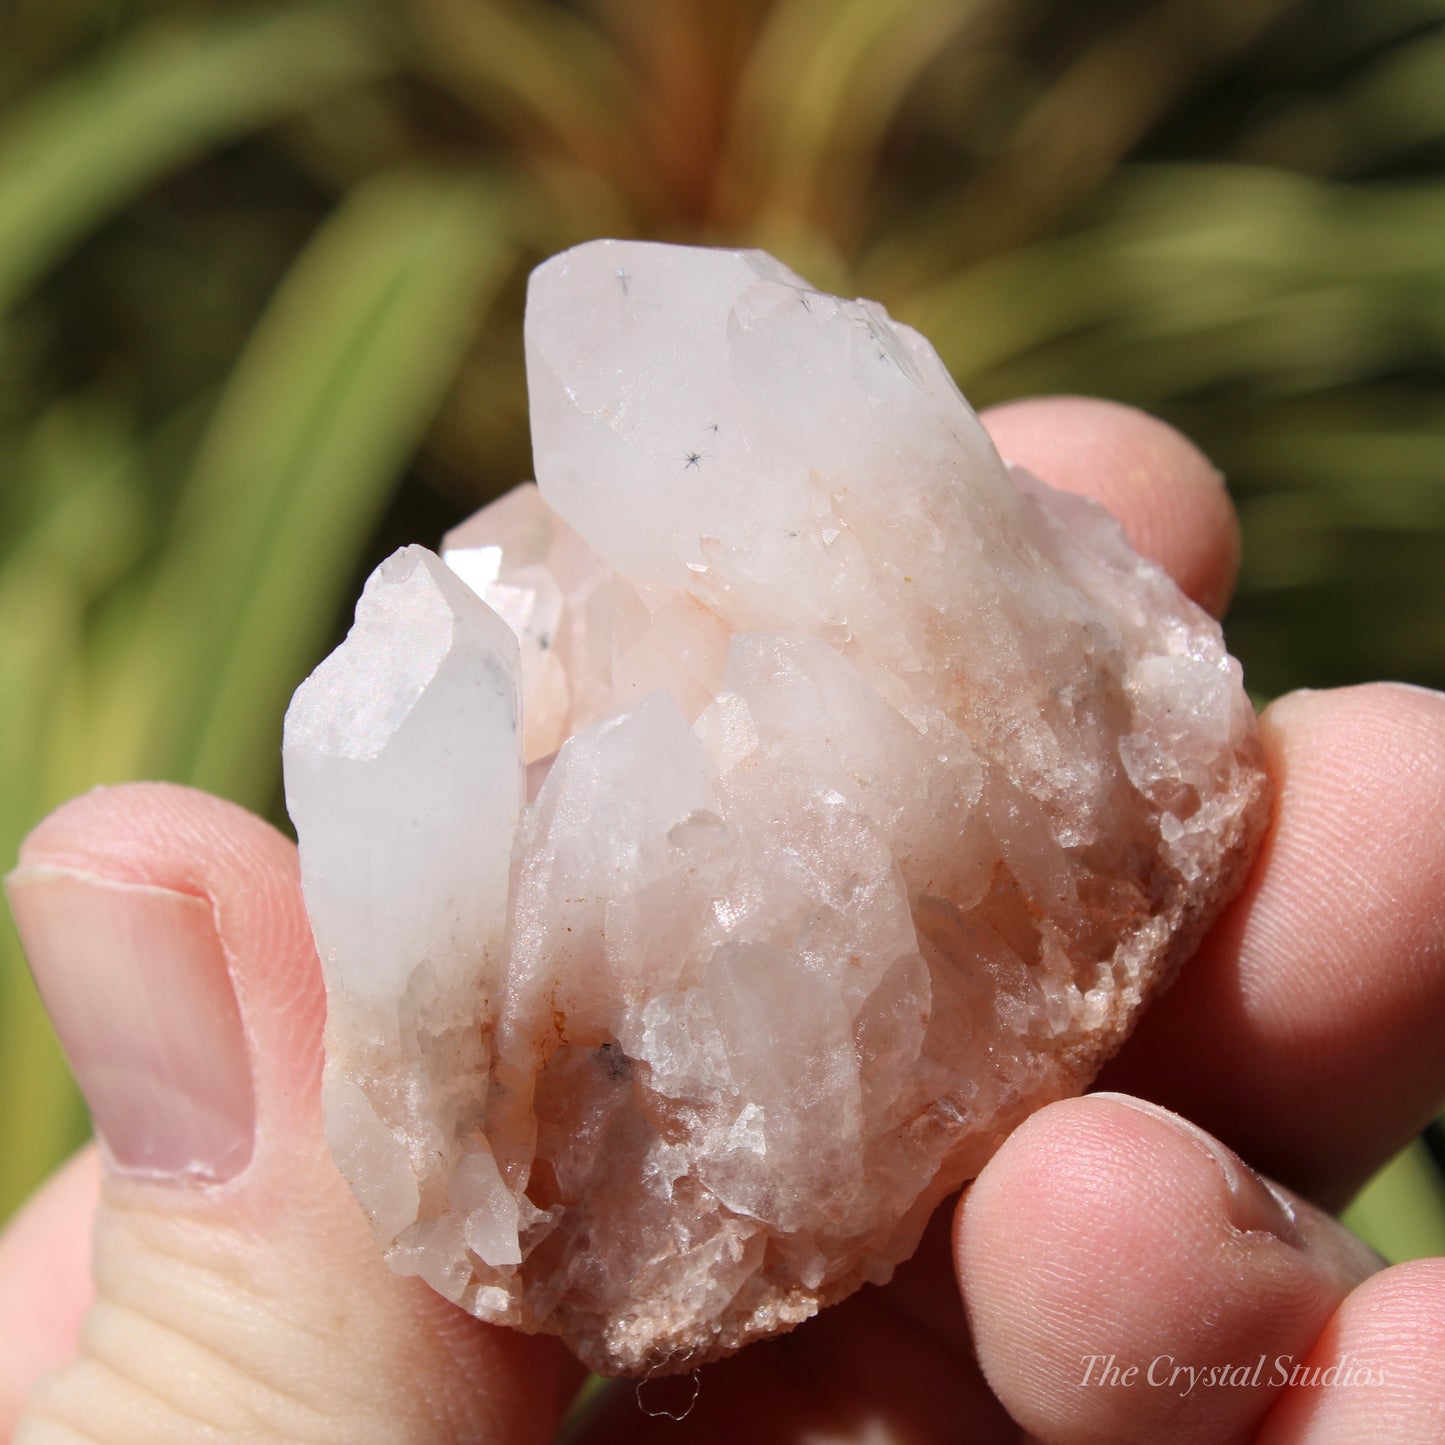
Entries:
{"x":1169,"y":497}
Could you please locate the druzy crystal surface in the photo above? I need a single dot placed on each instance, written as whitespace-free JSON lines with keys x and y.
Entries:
{"x":725,"y":842}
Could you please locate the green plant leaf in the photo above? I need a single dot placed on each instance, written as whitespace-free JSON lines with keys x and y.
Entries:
{"x":821,"y":87}
{"x":1401,"y":1211}
{"x":74,"y":525}
{"x":106,"y":130}
{"x":550,"y":78}
{"x":330,"y":399}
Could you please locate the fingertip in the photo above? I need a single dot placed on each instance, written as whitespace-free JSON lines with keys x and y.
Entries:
{"x":1111,"y":1232}
{"x":1168,"y":495}
{"x":164,"y":834}
{"x":1377,"y":1372}
{"x":1320,"y":995}
{"x":1350,"y":724}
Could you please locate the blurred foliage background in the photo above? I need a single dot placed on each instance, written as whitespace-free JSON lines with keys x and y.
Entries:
{"x":261,"y":277}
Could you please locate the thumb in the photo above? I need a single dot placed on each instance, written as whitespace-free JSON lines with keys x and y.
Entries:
{"x":238,"y":1294}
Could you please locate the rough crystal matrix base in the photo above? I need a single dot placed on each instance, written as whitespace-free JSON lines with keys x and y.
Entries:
{"x":721,"y":848}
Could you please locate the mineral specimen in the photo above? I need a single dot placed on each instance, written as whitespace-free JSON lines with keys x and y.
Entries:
{"x":730,"y":839}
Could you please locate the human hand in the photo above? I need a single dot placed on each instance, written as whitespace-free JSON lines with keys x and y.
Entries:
{"x":238,"y":1294}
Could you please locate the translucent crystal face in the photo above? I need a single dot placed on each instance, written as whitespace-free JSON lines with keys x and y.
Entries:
{"x":728,"y":840}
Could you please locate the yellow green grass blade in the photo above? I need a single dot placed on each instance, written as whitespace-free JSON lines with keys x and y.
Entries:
{"x":71,"y":527}
{"x":555,"y":84}
{"x":823,"y":84}
{"x":103,"y":131}
{"x":1401,"y":1211}
{"x":329,"y":400}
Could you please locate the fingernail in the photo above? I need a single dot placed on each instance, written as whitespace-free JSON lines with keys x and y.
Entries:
{"x":137,"y":985}
{"x":1255,"y":1203}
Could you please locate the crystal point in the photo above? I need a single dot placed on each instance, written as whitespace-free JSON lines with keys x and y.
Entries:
{"x":733,"y":836}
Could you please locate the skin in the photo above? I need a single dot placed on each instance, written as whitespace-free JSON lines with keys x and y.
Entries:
{"x":1304,"y":1034}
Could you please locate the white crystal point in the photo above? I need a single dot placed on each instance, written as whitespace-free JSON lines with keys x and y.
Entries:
{"x":404,"y":780}
{"x":713,"y":391}
{"x":863,"y":796}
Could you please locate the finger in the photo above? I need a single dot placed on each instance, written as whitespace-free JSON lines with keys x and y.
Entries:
{"x":1305,"y":1032}
{"x":45,"y":1284}
{"x":1169,"y":497}
{"x":1111,"y":1248}
{"x":238,"y":1290}
{"x":888,"y":1364}
{"x":1378,"y":1371}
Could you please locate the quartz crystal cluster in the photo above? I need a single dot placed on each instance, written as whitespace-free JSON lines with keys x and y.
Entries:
{"x":728,"y":840}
